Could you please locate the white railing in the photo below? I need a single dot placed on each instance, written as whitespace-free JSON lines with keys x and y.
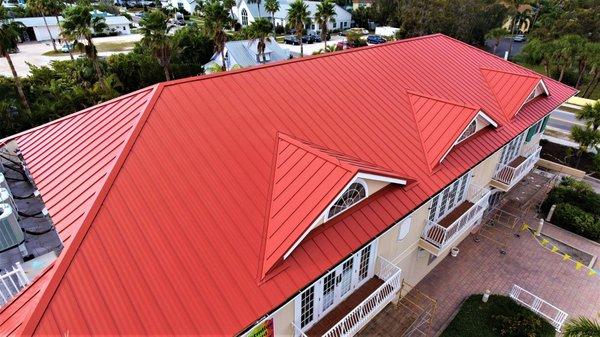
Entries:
{"x":372,"y":305}
{"x":441,"y":236}
{"x":11,"y":283}
{"x":297,"y":331}
{"x":510,"y":175}
{"x":554,"y":315}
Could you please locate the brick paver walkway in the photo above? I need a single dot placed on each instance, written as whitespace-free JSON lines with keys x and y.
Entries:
{"x":481,"y":266}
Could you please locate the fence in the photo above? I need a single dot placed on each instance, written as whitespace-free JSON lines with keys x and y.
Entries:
{"x":554,"y":315}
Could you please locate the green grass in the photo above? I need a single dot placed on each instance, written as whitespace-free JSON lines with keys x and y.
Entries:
{"x":56,"y":53}
{"x":500,"y":313}
{"x":115,"y":46}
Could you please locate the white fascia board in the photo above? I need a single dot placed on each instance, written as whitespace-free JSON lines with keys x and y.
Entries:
{"x":323,"y":216}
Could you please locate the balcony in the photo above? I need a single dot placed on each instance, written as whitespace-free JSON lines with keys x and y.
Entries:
{"x":507,"y":175}
{"x":439,"y":235}
{"x":351,"y":315}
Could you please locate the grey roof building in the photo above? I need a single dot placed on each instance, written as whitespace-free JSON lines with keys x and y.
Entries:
{"x":244,"y":53}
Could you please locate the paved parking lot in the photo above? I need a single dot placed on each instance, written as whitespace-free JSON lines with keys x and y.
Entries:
{"x":32,"y":53}
{"x":309,"y":49}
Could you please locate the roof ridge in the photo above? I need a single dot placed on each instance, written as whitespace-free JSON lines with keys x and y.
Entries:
{"x":63,"y":262}
{"x":77,"y":113}
{"x":444,"y":100}
{"x":306,"y":58}
{"x":510,"y":72}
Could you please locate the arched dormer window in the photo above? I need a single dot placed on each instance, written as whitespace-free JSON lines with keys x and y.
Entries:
{"x":356,"y":192}
{"x":470,"y":130}
{"x":244,"y":17}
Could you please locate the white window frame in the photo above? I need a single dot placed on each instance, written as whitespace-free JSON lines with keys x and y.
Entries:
{"x":449,"y":198}
{"x":317,"y":286}
{"x":404,"y":228}
{"x":355,"y":181}
{"x":480,"y":114}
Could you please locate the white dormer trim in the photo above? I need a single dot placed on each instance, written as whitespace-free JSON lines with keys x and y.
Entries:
{"x":540,"y":88}
{"x":359,"y":177}
{"x":480,"y":114}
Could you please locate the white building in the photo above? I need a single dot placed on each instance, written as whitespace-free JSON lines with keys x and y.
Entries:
{"x":37,"y":31}
{"x":242,"y":54}
{"x":187,"y":5}
{"x":246,"y":13}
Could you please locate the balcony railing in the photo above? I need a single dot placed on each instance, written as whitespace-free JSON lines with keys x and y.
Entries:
{"x":373,"y":304}
{"x":442,"y":236}
{"x":370,"y":306}
{"x":11,"y":283}
{"x":510,"y":175}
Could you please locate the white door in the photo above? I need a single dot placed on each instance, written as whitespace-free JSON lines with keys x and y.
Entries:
{"x":317,"y":300}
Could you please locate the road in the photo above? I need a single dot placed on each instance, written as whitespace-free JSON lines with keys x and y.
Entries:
{"x":32,"y":53}
{"x":563,"y":120}
{"x":503,"y":47}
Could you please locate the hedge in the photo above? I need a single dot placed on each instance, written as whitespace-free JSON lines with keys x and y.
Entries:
{"x":576,"y":220}
{"x":575,"y":193}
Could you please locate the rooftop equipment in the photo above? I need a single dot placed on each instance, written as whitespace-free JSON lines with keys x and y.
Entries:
{"x":11,"y":234}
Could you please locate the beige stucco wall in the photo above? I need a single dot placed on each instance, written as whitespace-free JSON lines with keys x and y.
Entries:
{"x":406,"y":253}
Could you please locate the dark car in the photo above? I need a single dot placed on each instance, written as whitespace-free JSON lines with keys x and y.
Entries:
{"x":314,"y":37}
{"x":375,"y":39}
{"x":519,"y":38}
{"x":291,"y":39}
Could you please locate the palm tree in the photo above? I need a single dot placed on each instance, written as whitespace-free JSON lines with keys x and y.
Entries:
{"x":229,"y":5}
{"x":10,"y":33}
{"x":298,"y":16}
{"x":590,"y":114}
{"x":496,"y":34}
{"x":216,"y":18}
{"x":324,"y":15}
{"x":272,"y":6}
{"x":79,"y":22}
{"x":41,"y":7}
{"x":155,"y":29}
{"x":568,"y":47}
{"x":582,"y":327}
{"x":259,"y":30}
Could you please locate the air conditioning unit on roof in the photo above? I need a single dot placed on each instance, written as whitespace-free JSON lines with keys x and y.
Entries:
{"x":11,"y":234}
{"x":6,"y":198}
{"x":3,"y":182}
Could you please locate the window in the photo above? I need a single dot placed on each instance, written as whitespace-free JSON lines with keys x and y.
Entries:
{"x":511,"y":150}
{"x":345,"y":24}
{"x":469,"y":131}
{"x":363,"y":266}
{"x":334,"y":24}
{"x":452,"y":196}
{"x":244,"y":17}
{"x":355,"y":193}
{"x":404,"y":229}
{"x":307,"y":304}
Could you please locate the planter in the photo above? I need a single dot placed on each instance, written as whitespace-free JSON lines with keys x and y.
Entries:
{"x":454,"y":251}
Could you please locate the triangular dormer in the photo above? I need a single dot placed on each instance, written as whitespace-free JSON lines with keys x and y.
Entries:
{"x":442,"y":124}
{"x":307,"y":184}
{"x":513,"y":90}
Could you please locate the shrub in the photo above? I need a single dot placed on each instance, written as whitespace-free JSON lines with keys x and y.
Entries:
{"x":575,"y":193}
{"x":577,"y":221}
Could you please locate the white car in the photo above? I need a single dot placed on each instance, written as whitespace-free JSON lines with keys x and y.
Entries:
{"x":519,"y":38}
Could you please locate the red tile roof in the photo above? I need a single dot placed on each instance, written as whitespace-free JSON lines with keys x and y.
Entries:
{"x":172,"y":243}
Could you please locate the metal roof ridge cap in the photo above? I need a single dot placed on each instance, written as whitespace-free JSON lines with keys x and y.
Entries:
{"x":534,"y":75}
{"x":63,"y":262}
{"x":295,"y":60}
{"x":444,"y":100}
{"x":414,"y":115}
{"x":77,"y":113}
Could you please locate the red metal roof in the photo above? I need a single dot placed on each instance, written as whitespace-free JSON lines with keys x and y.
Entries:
{"x":510,"y":88}
{"x":306,"y":178}
{"x":439,"y":124}
{"x":69,"y":160}
{"x":172,"y":243}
